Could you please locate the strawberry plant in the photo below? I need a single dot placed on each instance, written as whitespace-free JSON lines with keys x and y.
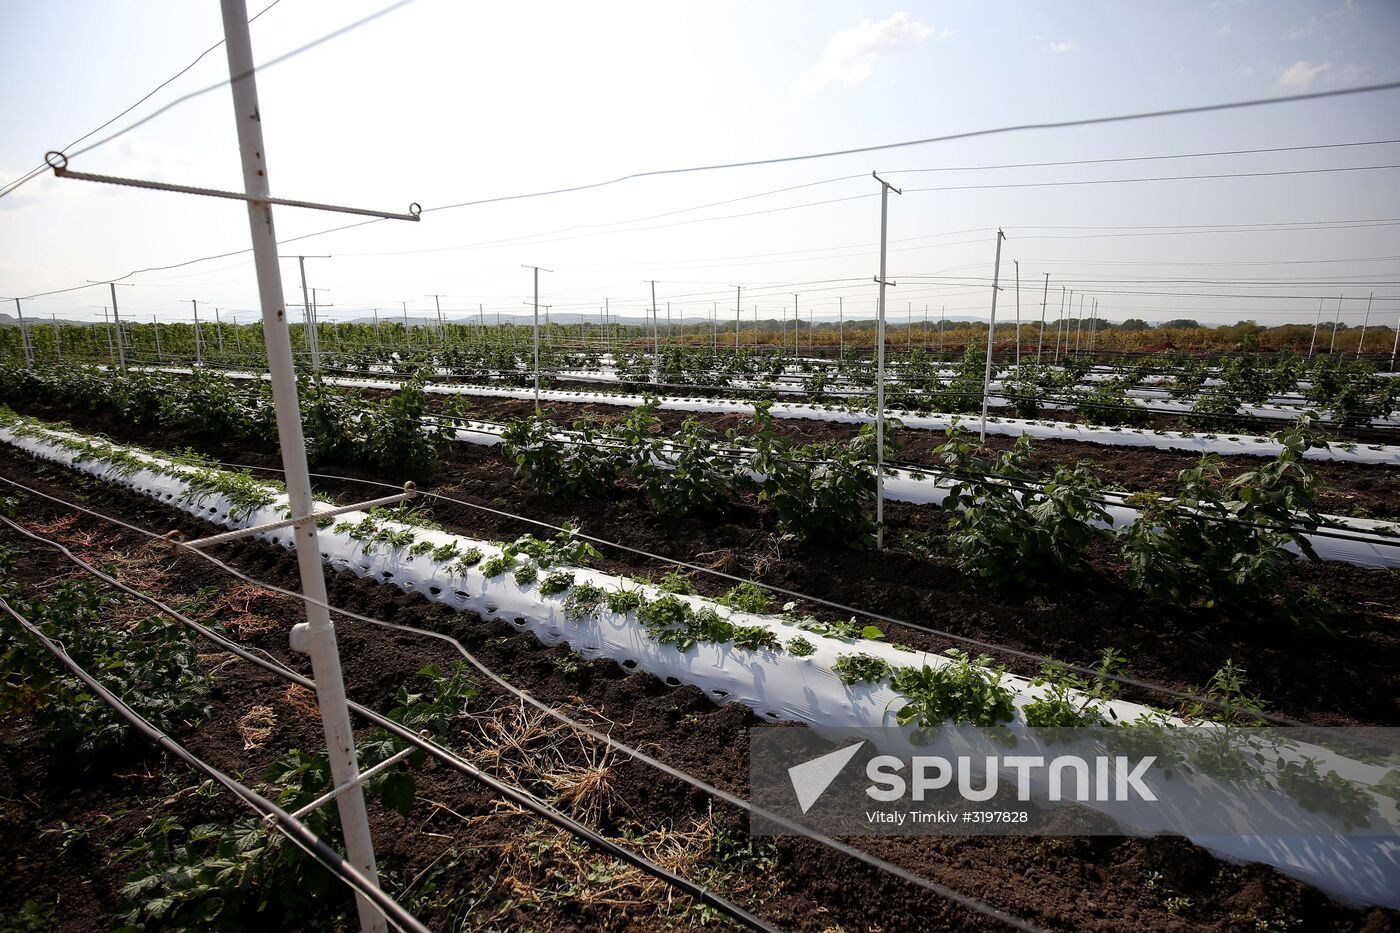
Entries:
{"x":556,"y":582}
{"x":861,"y":668}
{"x":151,"y":665}
{"x":747,"y":597}
{"x":584,"y":600}
{"x":233,"y":876}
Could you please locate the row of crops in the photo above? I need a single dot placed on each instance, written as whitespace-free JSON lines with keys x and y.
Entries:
{"x":1213,"y":547}
{"x":1208,"y":541}
{"x":729,"y":646}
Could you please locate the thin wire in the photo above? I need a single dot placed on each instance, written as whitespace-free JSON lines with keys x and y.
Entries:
{"x":727,"y":797}
{"x":972,"y":134}
{"x":39,"y":170}
{"x":251,"y":71}
{"x":1150,"y":158}
{"x":1125,"y":181}
{"x":272,"y":815}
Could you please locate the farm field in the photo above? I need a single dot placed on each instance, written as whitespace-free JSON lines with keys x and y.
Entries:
{"x":1298,"y":657}
{"x":858,"y":469}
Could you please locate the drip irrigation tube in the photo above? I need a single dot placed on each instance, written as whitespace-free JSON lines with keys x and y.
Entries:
{"x":276,"y":667}
{"x":273,"y":815}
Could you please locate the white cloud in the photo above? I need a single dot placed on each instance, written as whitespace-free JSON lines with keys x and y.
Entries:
{"x":1225,"y":30}
{"x":1062,"y":47}
{"x":850,"y":53}
{"x":1299,"y":76}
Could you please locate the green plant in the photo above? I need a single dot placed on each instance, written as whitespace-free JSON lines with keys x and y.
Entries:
{"x":686,"y":475}
{"x":496,"y":566}
{"x":967,"y":691}
{"x":1073,"y":699}
{"x":149,"y":664}
{"x":753,"y":637}
{"x":584,"y":600}
{"x":470,"y":558}
{"x":821,"y":493}
{"x":675,"y":581}
{"x":861,"y":668}
{"x":556,"y":582}
{"x":1216,"y":544}
{"x":1328,"y":793}
{"x":747,"y":597}
{"x":583,"y":466}
{"x":328,"y":421}
{"x":801,"y":647}
{"x":848,"y":630}
{"x":400,"y":435}
{"x":1007,"y":533}
{"x":624,"y":601}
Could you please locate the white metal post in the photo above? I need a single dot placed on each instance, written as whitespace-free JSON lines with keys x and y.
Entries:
{"x":738,"y":293}
{"x":117,"y":319}
{"x":1044,"y":294}
{"x":1060,"y":325}
{"x":58,"y":337}
{"x":841,"y":329}
{"x":198,"y":343}
{"x":991,"y":332}
{"x":310,"y":336}
{"x":1366,"y":320}
{"x":880,"y":368}
{"x":316,"y":636}
{"x":111,"y":348}
{"x":1078,"y":324}
{"x":1332,"y":347}
{"x":218,"y":331}
{"x":155,"y":326}
{"x":536,"y":307}
{"x":24,"y":335}
{"x":655,"y":341}
{"x":442,"y":328}
{"x":1317,"y":322}
{"x":1018,"y":314}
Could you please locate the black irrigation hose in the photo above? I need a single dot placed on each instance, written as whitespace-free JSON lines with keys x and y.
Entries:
{"x":516,"y":795}
{"x":274,"y":816}
{"x":754,"y":809}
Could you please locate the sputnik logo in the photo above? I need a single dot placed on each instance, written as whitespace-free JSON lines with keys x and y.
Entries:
{"x":811,"y":778}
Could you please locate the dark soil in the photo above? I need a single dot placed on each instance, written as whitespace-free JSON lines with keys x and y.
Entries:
{"x":1063,"y":883}
{"x":1301,"y":672}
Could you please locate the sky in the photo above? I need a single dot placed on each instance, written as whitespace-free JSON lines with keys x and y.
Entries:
{"x":440,"y":102}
